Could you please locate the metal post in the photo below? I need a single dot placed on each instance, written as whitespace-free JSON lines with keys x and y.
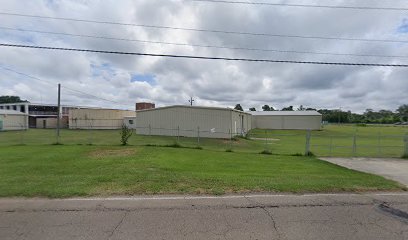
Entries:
{"x":354,"y":145}
{"x":331,"y":146}
{"x":59,"y":112}
{"x":266,"y":140}
{"x":230,"y":131}
{"x":307,"y":147}
{"x":178,"y":133}
{"x":198,"y":136}
{"x":406,"y":145}
{"x":379,"y":144}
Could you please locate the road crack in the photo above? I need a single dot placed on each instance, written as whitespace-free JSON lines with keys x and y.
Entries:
{"x":117,"y":225}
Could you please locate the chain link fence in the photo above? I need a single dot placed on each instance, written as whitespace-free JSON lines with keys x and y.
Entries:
{"x":296,"y":142}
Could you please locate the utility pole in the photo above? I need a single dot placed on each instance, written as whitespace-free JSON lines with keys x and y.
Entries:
{"x":191,"y":101}
{"x":59,"y":112}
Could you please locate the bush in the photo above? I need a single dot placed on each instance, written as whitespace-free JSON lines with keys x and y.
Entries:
{"x":310,"y":154}
{"x":174,"y":145}
{"x":125,"y":134}
{"x":229,"y":150}
{"x":361,"y":125}
{"x":267,"y":152}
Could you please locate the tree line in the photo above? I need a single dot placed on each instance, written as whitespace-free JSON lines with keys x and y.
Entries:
{"x":339,"y":116}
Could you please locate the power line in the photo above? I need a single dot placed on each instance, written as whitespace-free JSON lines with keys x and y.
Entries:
{"x":304,"y":5}
{"x":206,"y":30}
{"x":51,"y":83}
{"x":203,"y":57}
{"x":202,"y":46}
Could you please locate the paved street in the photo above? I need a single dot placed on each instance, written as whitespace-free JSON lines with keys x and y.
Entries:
{"x":322,"y":216}
{"x":391,"y":168}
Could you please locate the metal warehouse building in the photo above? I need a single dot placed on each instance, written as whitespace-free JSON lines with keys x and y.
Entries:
{"x":97,"y":118}
{"x":13,"y":120}
{"x":187,"y":121}
{"x":307,"y":120}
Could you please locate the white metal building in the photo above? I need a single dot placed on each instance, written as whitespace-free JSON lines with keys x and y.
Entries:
{"x":13,"y":120}
{"x":307,"y":120}
{"x":130,"y":122}
{"x":97,"y":118}
{"x":191,"y":121}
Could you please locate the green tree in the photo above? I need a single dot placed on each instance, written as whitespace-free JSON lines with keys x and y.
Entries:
{"x":290,"y":108}
{"x":11,"y":99}
{"x":238,"y":107}
{"x":252,"y":109}
{"x":266,"y":108}
{"x":403,"y":112}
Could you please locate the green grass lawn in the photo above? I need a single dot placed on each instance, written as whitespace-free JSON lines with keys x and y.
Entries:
{"x":337,"y":140}
{"x":81,"y":170}
{"x":333,"y":140}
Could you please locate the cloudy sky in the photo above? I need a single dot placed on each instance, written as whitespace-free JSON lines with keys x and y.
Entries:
{"x":124,"y":79}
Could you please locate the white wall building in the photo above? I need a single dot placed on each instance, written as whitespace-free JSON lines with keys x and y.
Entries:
{"x":210,"y":122}
{"x":13,"y":120}
{"x":303,"y":120}
{"x":97,"y":118}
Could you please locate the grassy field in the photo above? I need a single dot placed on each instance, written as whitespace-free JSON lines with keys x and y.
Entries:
{"x":82,"y":170}
{"x":333,"y":140}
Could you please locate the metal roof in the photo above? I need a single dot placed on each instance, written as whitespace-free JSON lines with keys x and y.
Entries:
{"x":11,"y":112}
{"x":194,"y":107}
{"x":285,"y":113}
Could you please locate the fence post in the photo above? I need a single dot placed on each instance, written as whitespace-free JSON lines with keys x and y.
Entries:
{"x":354,"y":144}
{"x":178,"y":133}
{"x":198,"y":136}
{"x":379,"y":144}
{"x":266,"y":140}
{"x":405,"y":145}
{"x":307,"y":147}
{"x":230,"y":133}
{"x":22,"y":132}
{"x":331,"y":146}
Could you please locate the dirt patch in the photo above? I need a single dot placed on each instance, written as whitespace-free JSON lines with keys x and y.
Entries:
{"x":104,"y":153}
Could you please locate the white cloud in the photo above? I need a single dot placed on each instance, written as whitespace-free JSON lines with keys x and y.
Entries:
{"x":217,"y":83}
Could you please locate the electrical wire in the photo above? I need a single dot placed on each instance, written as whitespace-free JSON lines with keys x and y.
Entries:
{"x":200,"y":46}
{"x":304,"y":5}
{"x":203,"y":57}
{"x":206,"y":30}
{"x":48,"y":82}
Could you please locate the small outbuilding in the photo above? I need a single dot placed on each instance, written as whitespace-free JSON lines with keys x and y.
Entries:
{"x":193,"y":121}
{"x":303,"y":120}
{"x":13,"y":120}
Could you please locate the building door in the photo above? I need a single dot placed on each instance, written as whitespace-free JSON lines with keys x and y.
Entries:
{"x":44,"y":123}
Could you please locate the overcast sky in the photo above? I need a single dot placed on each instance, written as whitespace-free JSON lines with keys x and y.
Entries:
{"x":128,"y":79}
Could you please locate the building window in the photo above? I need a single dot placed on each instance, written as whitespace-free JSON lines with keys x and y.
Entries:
{"x":131,"y":122}
{"x":22,"y":108}
{"x":14,"y":107}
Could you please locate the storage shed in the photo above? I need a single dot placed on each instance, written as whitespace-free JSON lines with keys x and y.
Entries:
{"x":306,"y":120}
{"x":13,"y":120}
{"x":97,"y":118}
{"x":193,"y":121}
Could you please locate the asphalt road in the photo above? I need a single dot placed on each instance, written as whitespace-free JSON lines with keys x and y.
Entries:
{"x":330,"y":216}
{"x":391,"y":168}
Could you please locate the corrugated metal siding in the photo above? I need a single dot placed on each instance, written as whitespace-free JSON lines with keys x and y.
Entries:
{"x":97,"y":118}
{"x":185,"y":121}
{"x":287,"y":122}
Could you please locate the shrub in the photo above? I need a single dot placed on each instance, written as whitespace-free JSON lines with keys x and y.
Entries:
{"x":125,"y":134}
{"x":267,"y":152}
{"x":309,"y":154}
